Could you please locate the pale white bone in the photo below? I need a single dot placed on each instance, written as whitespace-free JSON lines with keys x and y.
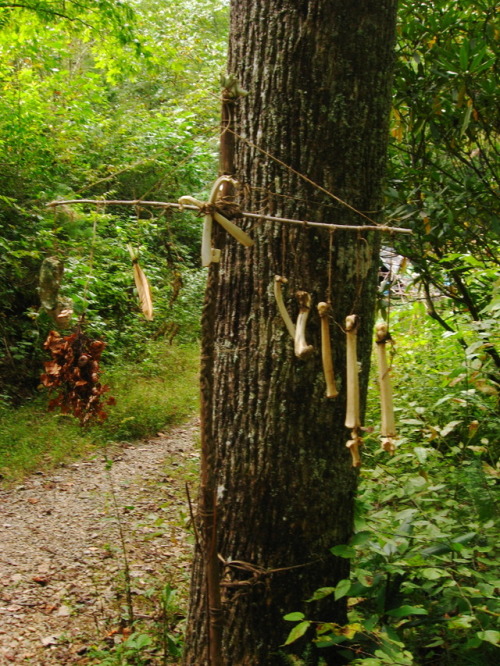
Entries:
{"x":189,"y":201}
{"x":326,"y":351}
{"x":353,"y":446}
{"x":278,"y":294}
{"x":209,"y":254}
{"x":302,"y":349}
{"x":352,"y":418}
{"x":234,"y":230}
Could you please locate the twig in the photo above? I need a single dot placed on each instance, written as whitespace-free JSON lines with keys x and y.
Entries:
{"x":193,"y":520}
{"x":121,"y":533}
{"x":268,"y":218}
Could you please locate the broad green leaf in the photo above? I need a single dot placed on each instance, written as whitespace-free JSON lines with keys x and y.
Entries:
{"x":360,"y":538}
{"x":320,"y":593}
{"x":343,"y":551}
{"x":364,"y":577}
{"x":350,"y":630}
{"x":404,"y":611}
{"x":490,"y":635}
{"x":449,"y":427}
{"x":440,"y":549}
{"x":294,"y":617}
{"x":297,"y":632}
{"x":342,"y":588}
{"x":461,"y":622}
{"x":433,"y":574}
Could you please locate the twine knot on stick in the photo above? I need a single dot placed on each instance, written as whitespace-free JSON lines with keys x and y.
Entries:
{"x":211,"y":211}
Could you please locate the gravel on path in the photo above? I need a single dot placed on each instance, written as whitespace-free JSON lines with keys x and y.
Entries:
{"x":62,"y":581}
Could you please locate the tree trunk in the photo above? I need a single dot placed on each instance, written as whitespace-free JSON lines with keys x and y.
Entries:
{"x":318,"y":73}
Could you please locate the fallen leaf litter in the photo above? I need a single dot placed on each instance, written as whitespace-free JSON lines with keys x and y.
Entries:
{"x":61,"y":562}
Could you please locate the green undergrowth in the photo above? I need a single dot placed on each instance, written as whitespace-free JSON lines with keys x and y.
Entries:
{"x":425,"y":571}
{"x":158,"y":391}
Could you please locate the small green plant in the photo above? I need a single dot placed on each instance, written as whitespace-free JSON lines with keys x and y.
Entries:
{"x":425,"y":574}
{"x":424,"y":581}
{"x":133,"y":651}
{"x":171,"y":623}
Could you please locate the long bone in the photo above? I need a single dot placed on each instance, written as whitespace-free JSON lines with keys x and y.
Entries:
{"x":142,"y":285}
{"x":326,"y":351}
{"x":353,"y":419}
{"x":302,"y":349}
{"x":388,"y":425}
{"x":208,"y":253}
{"x":278,"y":294}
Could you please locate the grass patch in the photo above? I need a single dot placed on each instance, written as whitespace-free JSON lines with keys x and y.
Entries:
{"x":159,"y":391}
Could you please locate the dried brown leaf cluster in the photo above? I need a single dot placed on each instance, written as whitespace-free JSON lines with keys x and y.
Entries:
{"x":74,"y":372}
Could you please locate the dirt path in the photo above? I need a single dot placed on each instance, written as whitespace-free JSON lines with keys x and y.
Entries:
{"x":62,"y":582}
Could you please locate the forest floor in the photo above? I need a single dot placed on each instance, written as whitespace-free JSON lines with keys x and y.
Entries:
{"x":66,"y":537}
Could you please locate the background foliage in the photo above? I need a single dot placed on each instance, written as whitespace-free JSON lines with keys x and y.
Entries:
{"x":101,"y":101}
{"x":444,"y":177}
{"x":424,"y":579}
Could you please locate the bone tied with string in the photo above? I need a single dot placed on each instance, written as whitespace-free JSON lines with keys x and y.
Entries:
{"x":353,"y":419}
{"x":142,"y":285}
{"x":297,"y":331}
{"x":326,"y":350}
{"x":210,"y":211}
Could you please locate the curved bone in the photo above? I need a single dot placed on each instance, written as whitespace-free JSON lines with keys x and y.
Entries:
{"x":326,"y":351}
{"x":302,"y":349}
{"x":189,"y":201}
{"x":388,"y":425}
{"x":352,"y":418}
{"x":229,"y":226}
{"x":278,"y":294}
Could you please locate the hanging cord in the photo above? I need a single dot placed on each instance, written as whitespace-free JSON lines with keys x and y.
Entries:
{"x":330,"y":259}
{"x":301,"y":175}
{"x":357,"y":271}
{"x":283,"y":250}
{"x":389,"y":295}
{"x":359,"y":264}
{"x":90,"y":270}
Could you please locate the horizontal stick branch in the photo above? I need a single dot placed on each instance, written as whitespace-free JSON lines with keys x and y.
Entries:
{"x":256,"y":216}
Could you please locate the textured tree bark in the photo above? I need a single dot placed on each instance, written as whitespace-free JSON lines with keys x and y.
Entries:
{"x":319,"y":75}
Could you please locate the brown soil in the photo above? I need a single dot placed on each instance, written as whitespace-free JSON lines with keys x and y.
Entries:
{"x":62,"y":566}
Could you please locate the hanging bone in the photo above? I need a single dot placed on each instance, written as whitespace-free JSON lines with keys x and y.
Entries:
{"x":142,"y":285}
{"x":352,"y":419}
{"x":278,"y":294}
{"x":326,"y":351}
{"x":302,"y":349}
{"x":388,"y":425}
